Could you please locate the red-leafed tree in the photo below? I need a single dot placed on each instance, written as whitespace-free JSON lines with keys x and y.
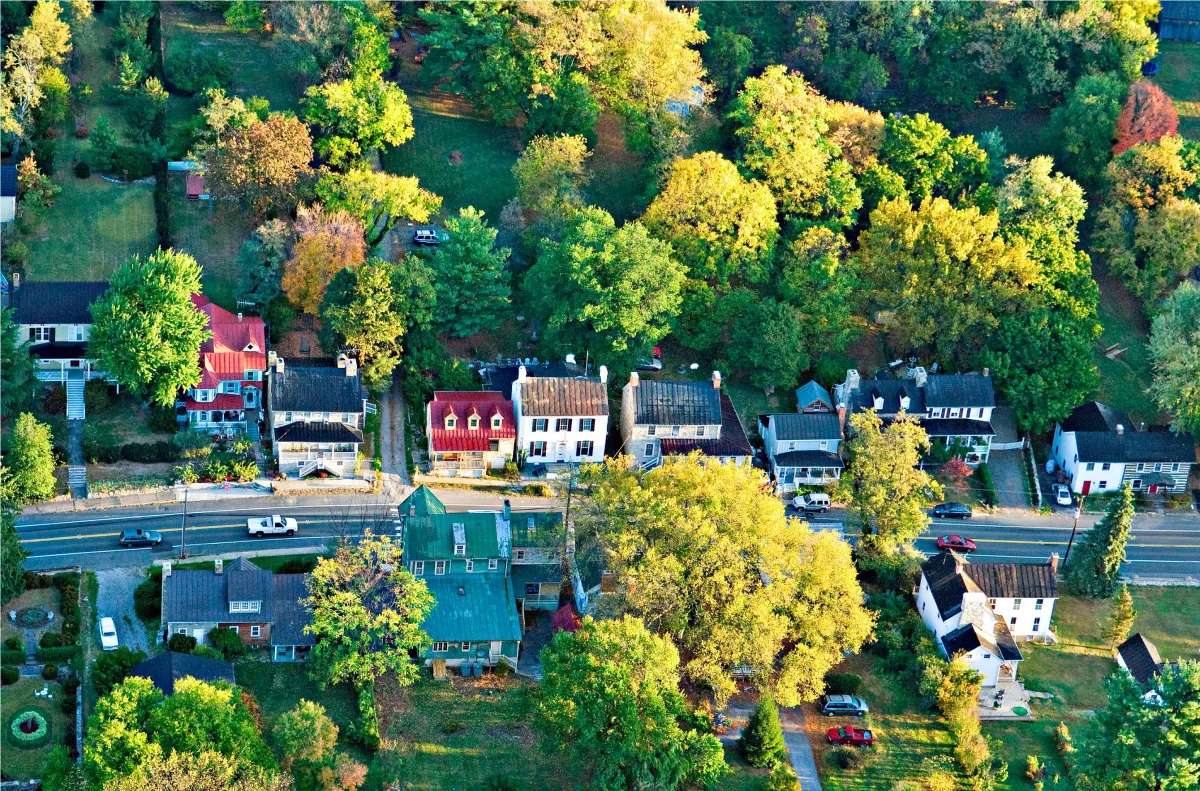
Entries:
{"x":957,"y":470}
{"x":1148,"y":115}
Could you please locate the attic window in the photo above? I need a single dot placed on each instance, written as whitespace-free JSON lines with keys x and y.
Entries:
{"x":451,"y":422}
{"x":473,"y":422}
{"x":460,"y":549}
{"x":496,"y":421}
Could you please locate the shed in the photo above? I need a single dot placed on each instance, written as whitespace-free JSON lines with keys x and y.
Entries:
{"x":196,"y":189}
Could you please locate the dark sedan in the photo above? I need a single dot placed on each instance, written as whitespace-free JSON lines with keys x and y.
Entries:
{"x":951,"y":511}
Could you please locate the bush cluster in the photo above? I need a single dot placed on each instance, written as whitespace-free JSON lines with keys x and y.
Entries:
{"x":150,"y":452}
{"x":147,"y":597}
{"x":983,"y":474}
{"x":182,"y":643}
{"x":228,"y":642}
{"x":50,"y":671}
{"x":843,"y":683}
{"x":97,"y":396}
{"x":14,"y":643}
{"x":191,"y":69}
{"x":10,"y":657}
{"x":161,"y":419}
{"x":9,"y":674}
{"x":59,"y":654}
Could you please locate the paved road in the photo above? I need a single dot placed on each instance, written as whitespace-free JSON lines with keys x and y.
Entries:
{"x":90,"y":540}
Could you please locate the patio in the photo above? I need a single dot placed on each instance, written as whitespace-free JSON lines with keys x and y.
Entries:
{"x":1008,"y":700}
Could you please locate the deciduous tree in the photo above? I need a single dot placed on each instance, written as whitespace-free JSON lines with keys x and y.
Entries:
{"x":379,"y":200}
{"x":819,"y":280}
{"x":29,"y":59}
{"x":12,"y":554}
{"x":327,"y":243}
{"x":146,"y":332}
{"x":704,"y":554}
{"x":887,"y":492}
{"x":305,"y":734}
{"x":367,"y":613}
{"x":610,"y":695}
{"x":1147,"y":116}
{"x":930,"y":161}
{"x":551,"y":173}
{"x":1086,"y":126}
{"x":206,"y":771}
{"x":17,"y":380}
{"x":29,"y":462}
{"x":199,"y":716}
{"x":117,"y":743}
{"x":472,"y":283}
{"x":1175,"y":353}
{"x":112,"y":667}
{"x":260,"y":264}
{"x":263,"y":164}
{"x":356,"y":116}
{"x":1096,"y":563}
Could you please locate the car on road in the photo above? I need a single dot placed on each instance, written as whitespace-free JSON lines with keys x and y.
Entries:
{"x":852,"y":737}
{"x":108,"y":634}
{"x":274,"y":525}
{"x":813,"y":502}
{"x":956,"y":543}
{"x":1062,"y":494}
{"x":951,"y":511}
{"x":140,"y":538}
{"x":845,"y":705}
{"x":429,"y":236}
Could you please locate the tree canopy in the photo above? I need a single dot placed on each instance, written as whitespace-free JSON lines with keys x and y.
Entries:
{"x":17,"y":380}
{"x":378,"y":200}
{"x":1095,"y":565}
{"x":146,"y":332}
{"x":470,"y":276}
{"x":12,"y":555}
{"x":327,"y":242}
{"x":356,"y":116}
{"x":28,"y":466}
{"x":1175,"y":353}
{"x":263,"y":164}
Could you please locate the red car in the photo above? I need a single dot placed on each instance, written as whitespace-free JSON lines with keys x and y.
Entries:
{"x":854,"y":737}
{"x":957,"y":543}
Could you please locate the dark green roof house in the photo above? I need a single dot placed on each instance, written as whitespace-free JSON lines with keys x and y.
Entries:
{"x":421,"y":502}
{"x":475,"y":619}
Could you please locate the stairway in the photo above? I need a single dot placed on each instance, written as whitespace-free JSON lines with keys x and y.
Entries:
{"x":308,"y":467}
{"x":77,"y":481}
{"x":75,"y":405}
{"x":252,"y":425}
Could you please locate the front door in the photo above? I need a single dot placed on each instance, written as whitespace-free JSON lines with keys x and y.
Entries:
{"x":1087,"y":487}
{"x":251,"y":394}
{"x":562,"y":451}
{"x":494,"y":653}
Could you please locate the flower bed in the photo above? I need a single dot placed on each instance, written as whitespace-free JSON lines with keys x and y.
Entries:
{"x":29,"y":729}
{"x":33,"y":617}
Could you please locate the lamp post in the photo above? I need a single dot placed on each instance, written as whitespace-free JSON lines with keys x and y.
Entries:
{"x":1074,"y":527}
{"x":183,"y":527}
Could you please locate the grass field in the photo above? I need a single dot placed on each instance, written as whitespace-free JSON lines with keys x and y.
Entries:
{"x":212,"y":232}
{"x":20,"y":763}
{"x":618,"y":177}
{"x":1123,"y":381}
{"x":1179,"y":75}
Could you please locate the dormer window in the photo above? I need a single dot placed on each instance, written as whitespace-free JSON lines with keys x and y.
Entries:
{"x":904,"y":399}
{"x":451,"y":422}
{"x":473,"y":422}
{"x":460,"y":550}
{"x":497,"y":421}
{"x":251,"y":347}
{"x":244,"y":606}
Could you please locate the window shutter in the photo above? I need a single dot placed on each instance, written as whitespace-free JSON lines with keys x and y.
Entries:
{"x":33,"y":333}
{"x":53,"y":332}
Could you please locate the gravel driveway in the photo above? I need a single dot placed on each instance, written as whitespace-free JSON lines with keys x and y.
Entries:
{"x":115,"y":601}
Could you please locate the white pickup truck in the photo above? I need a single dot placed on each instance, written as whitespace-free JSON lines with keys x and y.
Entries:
{"x":274,"y":525}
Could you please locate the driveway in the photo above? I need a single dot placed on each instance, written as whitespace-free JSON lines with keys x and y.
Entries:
{"x":1008,"y":478}
{"x":115,"y":601}
{"x":799,"y":748}
{"x":391,"y":440}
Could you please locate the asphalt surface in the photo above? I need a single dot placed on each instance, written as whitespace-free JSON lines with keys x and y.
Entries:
{"x":1161,"y":546}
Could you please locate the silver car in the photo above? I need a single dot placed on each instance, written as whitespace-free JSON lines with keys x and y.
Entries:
{"x":844,"y":705}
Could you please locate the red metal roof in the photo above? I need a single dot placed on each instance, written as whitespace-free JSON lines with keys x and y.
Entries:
{"x":462,"y":405}
{"x":223,"y":402}
{"x":236,"y":346}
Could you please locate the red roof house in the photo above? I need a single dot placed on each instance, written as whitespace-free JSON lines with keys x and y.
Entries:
{"x":232,"y":364}
{"x":470,"y":432}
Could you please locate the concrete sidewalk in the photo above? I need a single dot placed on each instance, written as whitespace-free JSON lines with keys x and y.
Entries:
{"x":799,"y":748}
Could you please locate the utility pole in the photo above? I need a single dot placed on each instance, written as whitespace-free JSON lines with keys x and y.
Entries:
{"x":1074,"y":527}
{"x":183,"y":528}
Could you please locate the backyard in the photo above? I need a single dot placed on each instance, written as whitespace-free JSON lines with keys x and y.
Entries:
{"x":21,"y":762}
{"x":1179,"y":75}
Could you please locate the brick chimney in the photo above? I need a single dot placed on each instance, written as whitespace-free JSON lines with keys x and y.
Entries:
{"x":1053,"y":563}
{"x":841,"y":413}
{"x":218,"y":566}
{"x":716,"y":380}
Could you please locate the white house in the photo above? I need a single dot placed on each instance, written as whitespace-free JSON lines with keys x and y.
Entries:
{"x":561,"y":419}
{"x":316,"y":415}
{"x":802,"y":449}
{"x":981,"y":609}
{"x":662,"y":418}
{"x":1099,"y":449}
{"x":55,"y":319}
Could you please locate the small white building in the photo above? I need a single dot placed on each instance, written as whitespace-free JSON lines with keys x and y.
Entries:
{"x":8,"y":193}
{"x":560,"y":419}
{"x":662,"y":418}
{"x":981,"y":610}
{"x":802,"y":449}
{"x":1099,"y":448}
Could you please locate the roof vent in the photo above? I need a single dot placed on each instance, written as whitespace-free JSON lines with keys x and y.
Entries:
{"x":462,"y":591}
{"x":570,"y":359}
{"x":1120,"y":429}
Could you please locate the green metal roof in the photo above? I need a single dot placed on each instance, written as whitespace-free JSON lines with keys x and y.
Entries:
{"x":432,"y":537}
{"x":547,"y":528}
{"x":523,"y":573}
{"x":422,"y":502}
{"x":474,"y":607}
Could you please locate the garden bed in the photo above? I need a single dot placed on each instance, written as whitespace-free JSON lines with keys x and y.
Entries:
{"x":23,"y":763}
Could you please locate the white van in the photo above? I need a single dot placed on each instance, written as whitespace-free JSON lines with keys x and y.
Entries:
{"x":813,"y":501}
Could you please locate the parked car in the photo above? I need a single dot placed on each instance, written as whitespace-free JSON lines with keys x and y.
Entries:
{"x":274,"y":525}
{"x":951,"y":511}
{"x":813,"y":501}
{"x":140,"y":538}
{"x":846,"y":705}
{"x":955,"y":542}
{"x":429,"y":236}
{"x":1062,"y":494}
{"x":854,"y":737}
{"x":108,"y":634}
{"x":651,"y":364}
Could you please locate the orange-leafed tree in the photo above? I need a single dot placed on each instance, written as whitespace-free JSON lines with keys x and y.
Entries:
{"x":957,"y":470}
{"x":263,"y":165}
{"x":1147,"y":116}
{"x":329,"y":241}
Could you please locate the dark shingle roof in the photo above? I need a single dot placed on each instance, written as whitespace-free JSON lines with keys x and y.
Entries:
{"x":291,"y":616}
{"x":563,"y":397}
{"x":946,"y":583}
{"x":662,"y":403}
{"x":732,"y":442}
{"x":502,"y":377}
{"x":808,"y":458}
{"x":1094,"y":416}
{"x":8,"y":181}
{"x":317,"y":432}
{"x":995,"y":580}
{"x":964,"y":390}
{"x":813,"y":425}
{"x":56,"y":302}
{"x":890,"y":391}
{"x":968,"y":637}
{"x":168,"y":667}
{"x":59,"y":351}
{"x":309,"y":389}
{"x":1141,"y":658}
{"x":1135,"y":446}
{"x":957,"y":427}
{"x":247,"y":582}
{"x":202,"y":595}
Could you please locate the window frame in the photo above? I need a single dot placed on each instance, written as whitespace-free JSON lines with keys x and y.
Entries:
{"x":579,"y":447}
{"x":493,"y":564}
{"x":587,"y":424}
{"x":649,"y":454}
{"x":460,"y":550}
{"x":537,"y":447}
{"x":562,"y":424}
{"x":541,"y":424}
{"x":1016,"y":604}
{"x":470,"y":565}
{"x":439,"y":568}
{"x":439,"y":647}
{"x":519,"y":554}
{"x":418,"y":568}
{"x":1037,"y":624}
{"x":465,"y":646}
{"x":255,"y":630}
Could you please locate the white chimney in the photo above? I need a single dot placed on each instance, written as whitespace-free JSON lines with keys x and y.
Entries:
{"x":351,"y":366}
{"x":604,"y":374}
{"x":16,"y":279}
{"x":239,"y":317}
{"x":218,"y":566}
{"x":166,"y":569}
{"x":921,"y":376}
{"x":633,"y":378}
{"x":279,"y":365}
{"x":852,"y":380}
{"x":522,"y":374}
{"x":341,"y":360}
{"x":570,"y":359}
{"x":987,"y":371}
{"x":716,"y":380}
{"x":1120,"y":429}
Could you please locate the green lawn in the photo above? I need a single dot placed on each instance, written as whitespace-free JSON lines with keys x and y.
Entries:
{"x":1170,"y":617}
{"x":20,"y":763}
{"x":1123,"y":381}
{"x":212,"y":232}
{"x":1179,"y":75}
{"x":46,"y":598}
{"x":1023,"y":130}
{"x":619,"y":178}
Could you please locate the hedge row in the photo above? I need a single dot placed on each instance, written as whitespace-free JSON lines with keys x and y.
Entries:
{"x":11,"y":657}
{"x":984,"y":475}
{"x":9,"y":675}
{"x":57,"y":654}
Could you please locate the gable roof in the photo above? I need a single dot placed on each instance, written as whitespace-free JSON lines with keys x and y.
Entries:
{"x":809,"y":458}
{"x":8,"y":181}
{"x":810,"y":392}
{"x":890,"y":390}
{"x":291,"y":616}
{"x":500,"y":378}
{"x":168,"y":667}
{"x":659,"y":403}
{"x":1141,"y":658}
{"x":472,"y":607}
{"x":463,"y":405}
{"x":432,"y":537}
{"x":203,"y":595}
{"x":55,"y":302}
{"x":949,"y":576}
{"x":563,"y":397}
{"x":422,"y":502}
{"x":247,"y":582}
{"x":731,"y":442}
{"x":1135,"y":446}
{"x":806,"y":426}
{"x":963,"y":390}
{"x":229,"y":333}
{"x":968,"y":637}
{"x":1095,"y":416}
{"x":301,"y":388}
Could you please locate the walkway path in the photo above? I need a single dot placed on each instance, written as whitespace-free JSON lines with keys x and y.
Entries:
{"x":391,"y":440}
{"x":799,"y":748}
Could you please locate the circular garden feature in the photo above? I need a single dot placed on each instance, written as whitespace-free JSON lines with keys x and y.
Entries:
{"x":33,"y":617}
{"x":29,"y":728}
{"x":1020,"y":711}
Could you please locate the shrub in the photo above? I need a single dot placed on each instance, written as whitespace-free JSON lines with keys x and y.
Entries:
{"x":214,"y":470}
{"x":983,"y":474}
{"x":193,"y":444}
{"x":150,"y":452}
{"x":193,"y":70}
{"x":37,"y":735}
{"x":130,"y":163}
{"x":782,"y":778}
{"x":511,"y":473}
{"x":67,"y":704}
{"x":54,"y":401}
{"x":761,"y":742}
{"x":451,"y":726}
{"x":161,"y":419}
{"x":846,"y":758}
{"x":60,"y":654}
{"x":211,"y":653}
{"x":182,"y":643}
{"x":147,"y":597}
{"x":186,"y":473}
{"x":10,"y":657}
{"x":51,"y":640}
{"x":1034,"y":769}
{"x":14,"y":643}
{"x":99,"y":448}
{"x":297,"y":566}
{"x":843,"y":683}
{"x":35,"y":581}
{"x":50,"y":671}
{"x":82,"y":169}
{"x":242,"y":470}
{"x":227,"y":641}
{"x":112,"y":667}
{"x":9,"y":674}
{"x":70,"y":685}
{"x":538,"y":490}
{"x":97,"y":396}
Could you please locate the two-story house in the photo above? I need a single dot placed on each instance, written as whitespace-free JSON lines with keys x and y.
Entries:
{"x":1099,"y":448}
{"x":55,"y":319}
{"x":954,"y":409}
{"x":662,"y":418}
{"x":802,"y":449}
{"x":266,"y":610}
{"x":232,"y":364}
{"x":561,"y":419}
{"x":982,"y":609}
{"x":469,"y":433}
{"x":316,"y":414}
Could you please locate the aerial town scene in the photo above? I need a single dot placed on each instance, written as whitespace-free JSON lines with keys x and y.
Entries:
{"x":599,"y":395}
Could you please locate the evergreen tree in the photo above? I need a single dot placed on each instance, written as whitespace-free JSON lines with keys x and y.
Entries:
{"x":762,"y":741}
{"x":473,"y":292}
{"x":1097,"y":562}
{"x":29,"y":464}
{"x":16,"y":367}
{"x":12,"y":576}
{"x":1120,"y":622}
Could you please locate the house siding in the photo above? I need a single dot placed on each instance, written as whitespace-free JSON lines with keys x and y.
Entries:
{"x":1025,"y":614}
{"x":243,"y":630}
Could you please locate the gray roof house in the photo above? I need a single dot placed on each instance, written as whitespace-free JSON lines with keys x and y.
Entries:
{"x":171,"y":666}
{"x":316,"y":415}
{"x":265,"y":609}
{"x":53,"y":317}
{"x":802,"y":449}
{"x":664,"y":418}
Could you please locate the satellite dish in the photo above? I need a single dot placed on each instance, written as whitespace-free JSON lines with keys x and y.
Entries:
{"x":694,"y":366}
